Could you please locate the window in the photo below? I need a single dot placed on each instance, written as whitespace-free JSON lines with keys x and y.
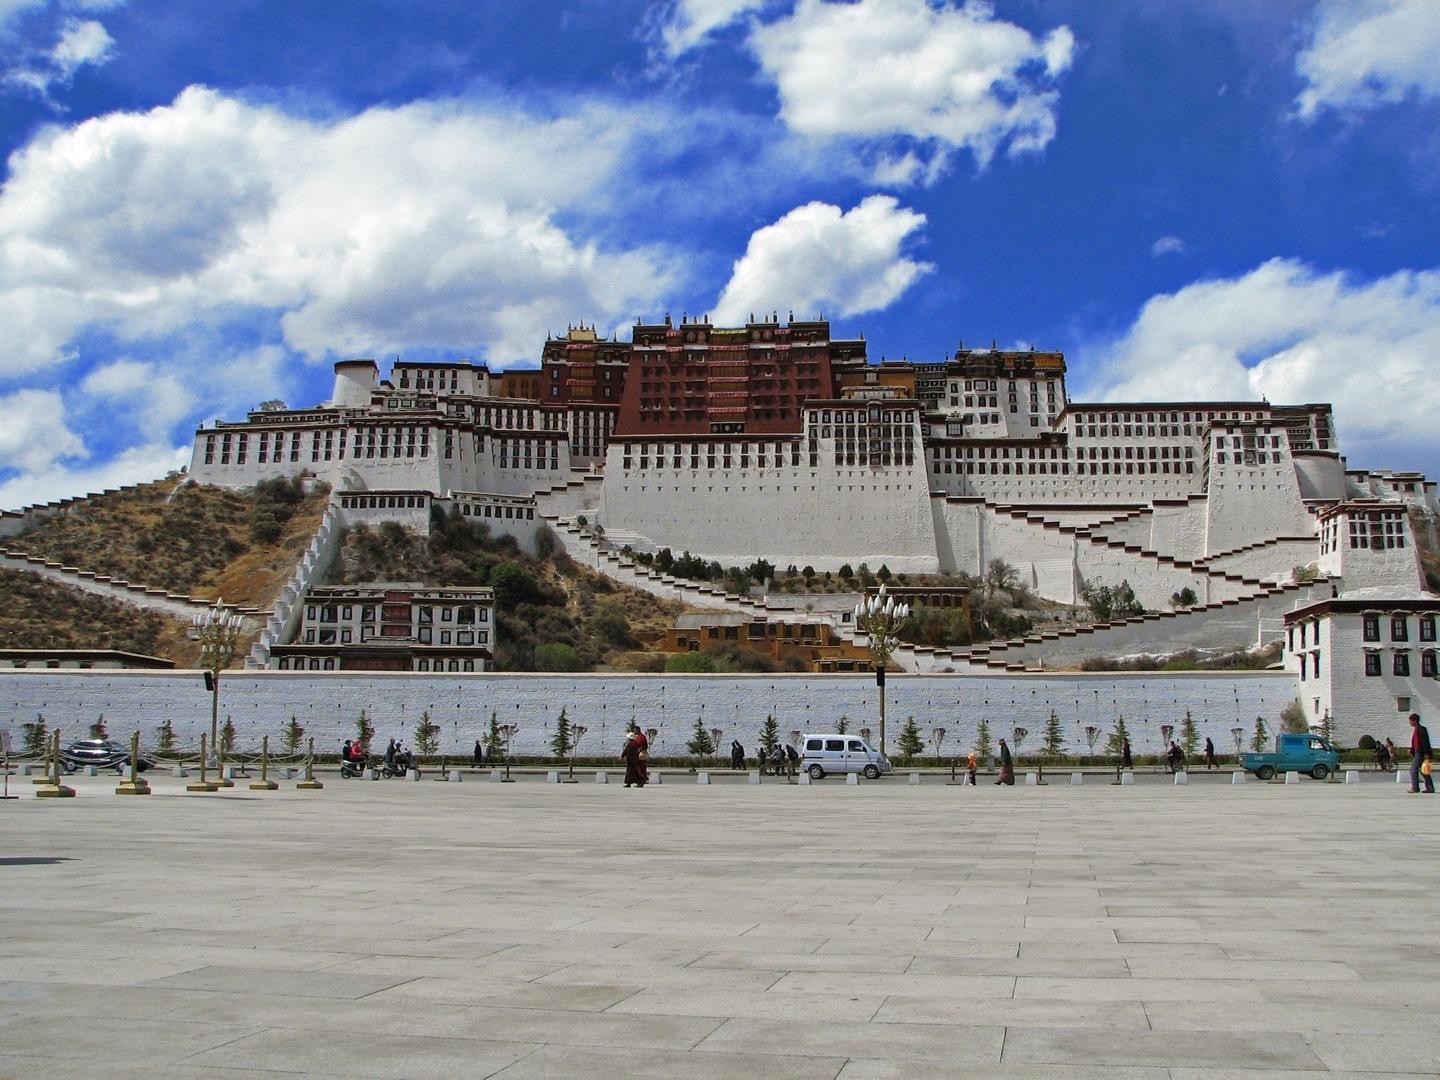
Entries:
{"x":1427,"y":663}
{"x":856,"y":746}
{"x":835,"y":745}
{"x":1372,"y":663}
{"x":1399,"y":628}
{"x":1402,"y":663}
{"x":1372,"y":628}
{"x":1427,"y":627}
{"x":814,"y":745}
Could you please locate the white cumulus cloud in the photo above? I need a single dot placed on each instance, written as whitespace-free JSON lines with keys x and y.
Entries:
{"x":940,"y":76}
{"x":681,"y":25}
{"x":81,"y":42}
{"x":1167,"y":245}
{"x":432,"y":224}
{"x":1364,"y":53}
{"x":1290,"y":334}
{"x":818,"y":258}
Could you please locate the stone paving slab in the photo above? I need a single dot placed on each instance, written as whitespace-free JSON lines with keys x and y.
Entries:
{"x":887,"y":932}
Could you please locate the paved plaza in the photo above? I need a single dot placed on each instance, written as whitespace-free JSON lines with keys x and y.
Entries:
{"x":879,"y":932}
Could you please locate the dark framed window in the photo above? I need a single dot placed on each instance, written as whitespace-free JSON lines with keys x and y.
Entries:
{"x":1372,"y":627}
{"x":1399,"y":628}
{"x":1427,"y":664}
{"x":1372,"y":663}
{"x":1402,"y":663}
{"x":1427,"y":627}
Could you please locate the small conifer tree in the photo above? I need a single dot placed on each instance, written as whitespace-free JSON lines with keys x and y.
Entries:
{"x":227,"y":735}
{"x":37,"y":737}
{"x":1189,"y":735}
{"x":912,"y":743}
{"x":493,"y":740}
{"x":364,"y":730}
{"x":700,"y":744}
{"x":1258,"y":739}
{"x":165,"y":739}
{"x":984,"y":748}
{"x":843,"y":725}
{"x":98,"y":730}
{"x":427,"y":735}
{"x":770,"y":735}
{"x":292,"y":736}
{"x":562,"y":741}
{"x":1053,"y":744}
{"x":1119,"y":735}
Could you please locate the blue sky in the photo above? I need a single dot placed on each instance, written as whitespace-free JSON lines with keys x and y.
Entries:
{"x":205,"y":205}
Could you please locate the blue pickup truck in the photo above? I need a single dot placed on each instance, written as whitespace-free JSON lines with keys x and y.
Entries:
{"x":1310,"y":754}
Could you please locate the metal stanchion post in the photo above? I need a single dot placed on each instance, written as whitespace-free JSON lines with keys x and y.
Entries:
{"x":310,"y":783}
{"x":203,"y":784}
{"x":54,"y":789}
{"x":135,"y":785}
{"x":264,"y":783}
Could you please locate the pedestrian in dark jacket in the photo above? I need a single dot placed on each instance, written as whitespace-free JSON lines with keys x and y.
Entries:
{"x":1007,"y":766}
{"x":1210,"y":762}
{"x":1422,"y":757}
{"x":479,"y":753}
{"x":1126,"y":761}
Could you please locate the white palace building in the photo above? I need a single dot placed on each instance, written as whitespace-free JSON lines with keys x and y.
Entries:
{"x":775,"y":441}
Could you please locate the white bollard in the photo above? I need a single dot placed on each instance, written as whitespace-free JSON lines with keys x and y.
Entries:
{"x":1402,"y":776}
{"x":552,"y":777}
{"x":1352,"y":776}
{"x":91,"y":770}
{"x":1076,"y":779}
{"x":178,"y":771}
{"x":702,"y":778}
{"x":372,"y":774}
{"x":496,"y":775}
{"x":1127,"y":779}
{"x":1292,"y":778}
{"x":1238,"y":776}
{"x":852,"y":778}
{"x":232,"y":772}
{"x":1182,"y":778}
{"x":412,"y":774}
{"x":914,"y":779}
{"x":803,"y":779}
{"x":602,"y":777}
{"x":1031,"y":780}
{"x":655,"y":778}
{"x":454,"y":776}
{"x":754,"y":778}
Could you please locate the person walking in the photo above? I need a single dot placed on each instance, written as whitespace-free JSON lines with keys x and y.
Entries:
{"x":479,"y":753}
{"x":1210,"y":762}
{"x":1382,"y":757}
{"x":1126,"y":760}
{"x":792,"y":760}
{"x":390,"y":755}
{"x":972,"y":766}
{"x":1422,"y":757}
{"x":737,"y":755}
{"x":633,"y":754}
{"x":1007,"y":766}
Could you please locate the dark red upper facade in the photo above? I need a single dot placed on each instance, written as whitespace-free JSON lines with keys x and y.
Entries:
{"x":699,"y":379}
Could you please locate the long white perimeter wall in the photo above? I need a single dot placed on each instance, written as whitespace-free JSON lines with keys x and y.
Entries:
{"x":328,"y":703}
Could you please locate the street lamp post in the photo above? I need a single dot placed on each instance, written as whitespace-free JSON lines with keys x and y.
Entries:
{"x":508,"y":731}
{"x":1018,"y":736}
{"x":217,"y":631}
{"x":577,"y":731}
{"x":937,"y":735}
{"x":880,"y":619}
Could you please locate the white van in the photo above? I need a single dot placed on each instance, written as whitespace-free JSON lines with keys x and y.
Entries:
{"x":836,"y":753}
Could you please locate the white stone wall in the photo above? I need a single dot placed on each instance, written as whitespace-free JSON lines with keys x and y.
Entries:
{"x":327,"y":704}
{"x":310,"y":570}
{"x":822,"y":517}
{"x":1249,"y":503}
{"x":1177,"y":529}
{"x":1320,"y":475}
{"x":1272,"y":561}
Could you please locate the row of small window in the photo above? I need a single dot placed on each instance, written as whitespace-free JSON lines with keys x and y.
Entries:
{"x":344,"y":636}
{"x":299,"y":663}
{"x":1399,"y":628}
{"x":525,"y":513}
{"x":725,"y":461}
{"x":1399,"y":664}
{"x":1247,"y":457}
{"x":426,"y":379}
{"x":382,"y":502}
{"x":1105,"y":431}
{"x":444,"y":665}
{"x":856,"y":417}
{"x":332,"y":613}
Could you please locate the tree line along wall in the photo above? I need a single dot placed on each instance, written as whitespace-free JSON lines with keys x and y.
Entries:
{"x":328,"y":705}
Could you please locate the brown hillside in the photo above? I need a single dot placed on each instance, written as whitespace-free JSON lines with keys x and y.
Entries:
{"x":42,"y":614}
{"x":552,"y":613}
{"x":206,"y":541}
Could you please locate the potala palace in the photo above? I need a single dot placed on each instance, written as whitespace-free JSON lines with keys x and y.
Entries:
{"x":776,"y":441}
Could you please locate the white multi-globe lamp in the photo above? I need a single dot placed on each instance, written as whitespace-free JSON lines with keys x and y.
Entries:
{"x":880,"y":618}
